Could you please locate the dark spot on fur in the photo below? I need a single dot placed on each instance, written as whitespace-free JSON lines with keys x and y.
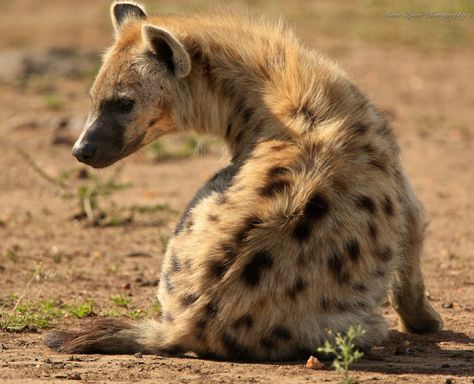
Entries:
{"x":188,"y":300}
{"x":342,"y":306}
{"x":340,"y":185}
{"x":280,"y":146}
{"x":373,"y":230}
{"x":360,"y":287}
{"x":218,"y":268}
{"x":384,"y":254}
{"x":335,"y":264}
{"x":233,"y":348}
{"x":336,"y":267}
{"x":188,"y":264}
{"x":315,"y":209}
{"x":175,"y":263}
{"x":240,"y":135}
{"x":277,"y":171}
{"x":302,"y":230}
{"x":252,"y":272}
{"x":281,"y":332}
{"x":298,"y":287}
{"x":379,"y":164}
{"x":221,"y":199}
{"x":211,"y":309}
{"x":308,"y":114}
{"x":228,"y":130}
{"x":250,"y":223}
{"x":189,"y":224}
{"x":359,"y":128}
{"x":213,"y":217}
{"x":152,"y":122}
{"x":246,"y":115}
{"x":324,"y":304}
{"x":168,"y":284}
{"x":380,"y":272}
{"x":293,"y":111}
{"x":353,"y":250}
{"x":361,"y":305}
{"x":384,"y":129}
{"x":244,"y":321}
{"x":267,"y":343}
{"x":388,"y":206}
{"x":229,"y":251}
{"x":201,"y":324}
{"x":366,"y":203}
{"x":274,"y":187}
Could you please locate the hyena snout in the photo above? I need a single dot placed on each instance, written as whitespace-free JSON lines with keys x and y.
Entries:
{"x":100,"y":145}
{"x":84,"y":152}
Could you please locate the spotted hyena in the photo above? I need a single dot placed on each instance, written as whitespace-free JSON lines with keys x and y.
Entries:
{"x":311,"y":226}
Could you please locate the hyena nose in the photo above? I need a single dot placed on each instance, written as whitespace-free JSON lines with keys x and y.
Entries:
{"x":84,"y":152}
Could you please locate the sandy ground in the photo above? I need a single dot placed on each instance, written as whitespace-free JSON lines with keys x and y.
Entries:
{"x":45,"y":253}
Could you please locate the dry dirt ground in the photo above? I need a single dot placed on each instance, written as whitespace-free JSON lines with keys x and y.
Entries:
{"x":48,"y":251}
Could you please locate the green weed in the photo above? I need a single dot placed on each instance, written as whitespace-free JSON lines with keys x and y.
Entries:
{"x":344,"y":350}
{"x":53,"y":101}
{"x":82,"y":310}
{"x":120,"y":301}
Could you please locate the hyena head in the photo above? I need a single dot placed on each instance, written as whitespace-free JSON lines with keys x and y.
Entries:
{"x":133,"y":98}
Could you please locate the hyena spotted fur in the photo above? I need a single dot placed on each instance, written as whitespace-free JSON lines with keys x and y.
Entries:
{"x":311,"y":226}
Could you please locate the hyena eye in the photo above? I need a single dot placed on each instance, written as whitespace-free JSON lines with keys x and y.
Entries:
{"x":125,"y":104}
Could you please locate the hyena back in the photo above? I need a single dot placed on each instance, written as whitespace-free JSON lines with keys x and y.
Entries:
{"x":309,"y":228}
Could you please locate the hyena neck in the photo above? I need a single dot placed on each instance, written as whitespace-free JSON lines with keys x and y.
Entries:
{"x":226,"y":98}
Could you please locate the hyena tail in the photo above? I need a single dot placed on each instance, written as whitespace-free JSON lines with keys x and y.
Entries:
{"x":109,"y":337}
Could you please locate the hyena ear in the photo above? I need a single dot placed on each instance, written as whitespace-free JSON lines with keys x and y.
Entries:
{"x":167,"y":49}
{"x":123,"y":11}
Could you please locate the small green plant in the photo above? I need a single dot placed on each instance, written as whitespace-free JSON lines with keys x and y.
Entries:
{"x":344,"y":350}
{"x":39,"y":314}
{"x":93,"y":195}
{"x":12,"y":253}
{"x":120,"y":301}
{"x":82,"y":310}
{"x":53,"y":101}
{"x":30,"y":315}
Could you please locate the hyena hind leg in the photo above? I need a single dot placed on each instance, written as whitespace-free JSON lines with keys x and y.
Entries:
{"x":408,"y":290}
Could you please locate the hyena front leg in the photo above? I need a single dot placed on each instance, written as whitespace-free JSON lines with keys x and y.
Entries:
{"x":408,"y":290}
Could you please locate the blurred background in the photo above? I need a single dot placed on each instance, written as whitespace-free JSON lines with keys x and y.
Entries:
{"x":80,"y":242}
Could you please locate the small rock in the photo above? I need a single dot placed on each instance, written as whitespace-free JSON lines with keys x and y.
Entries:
{"x":74,"y":376}
{"x":314,"y":363}
{"x":126,"y":286}
{"x":449,"y":381}
{"x":448,"y":305}
{"x":139,"y":355}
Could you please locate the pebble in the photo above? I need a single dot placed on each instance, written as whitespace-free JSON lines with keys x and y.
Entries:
{"x":314,"y":363}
